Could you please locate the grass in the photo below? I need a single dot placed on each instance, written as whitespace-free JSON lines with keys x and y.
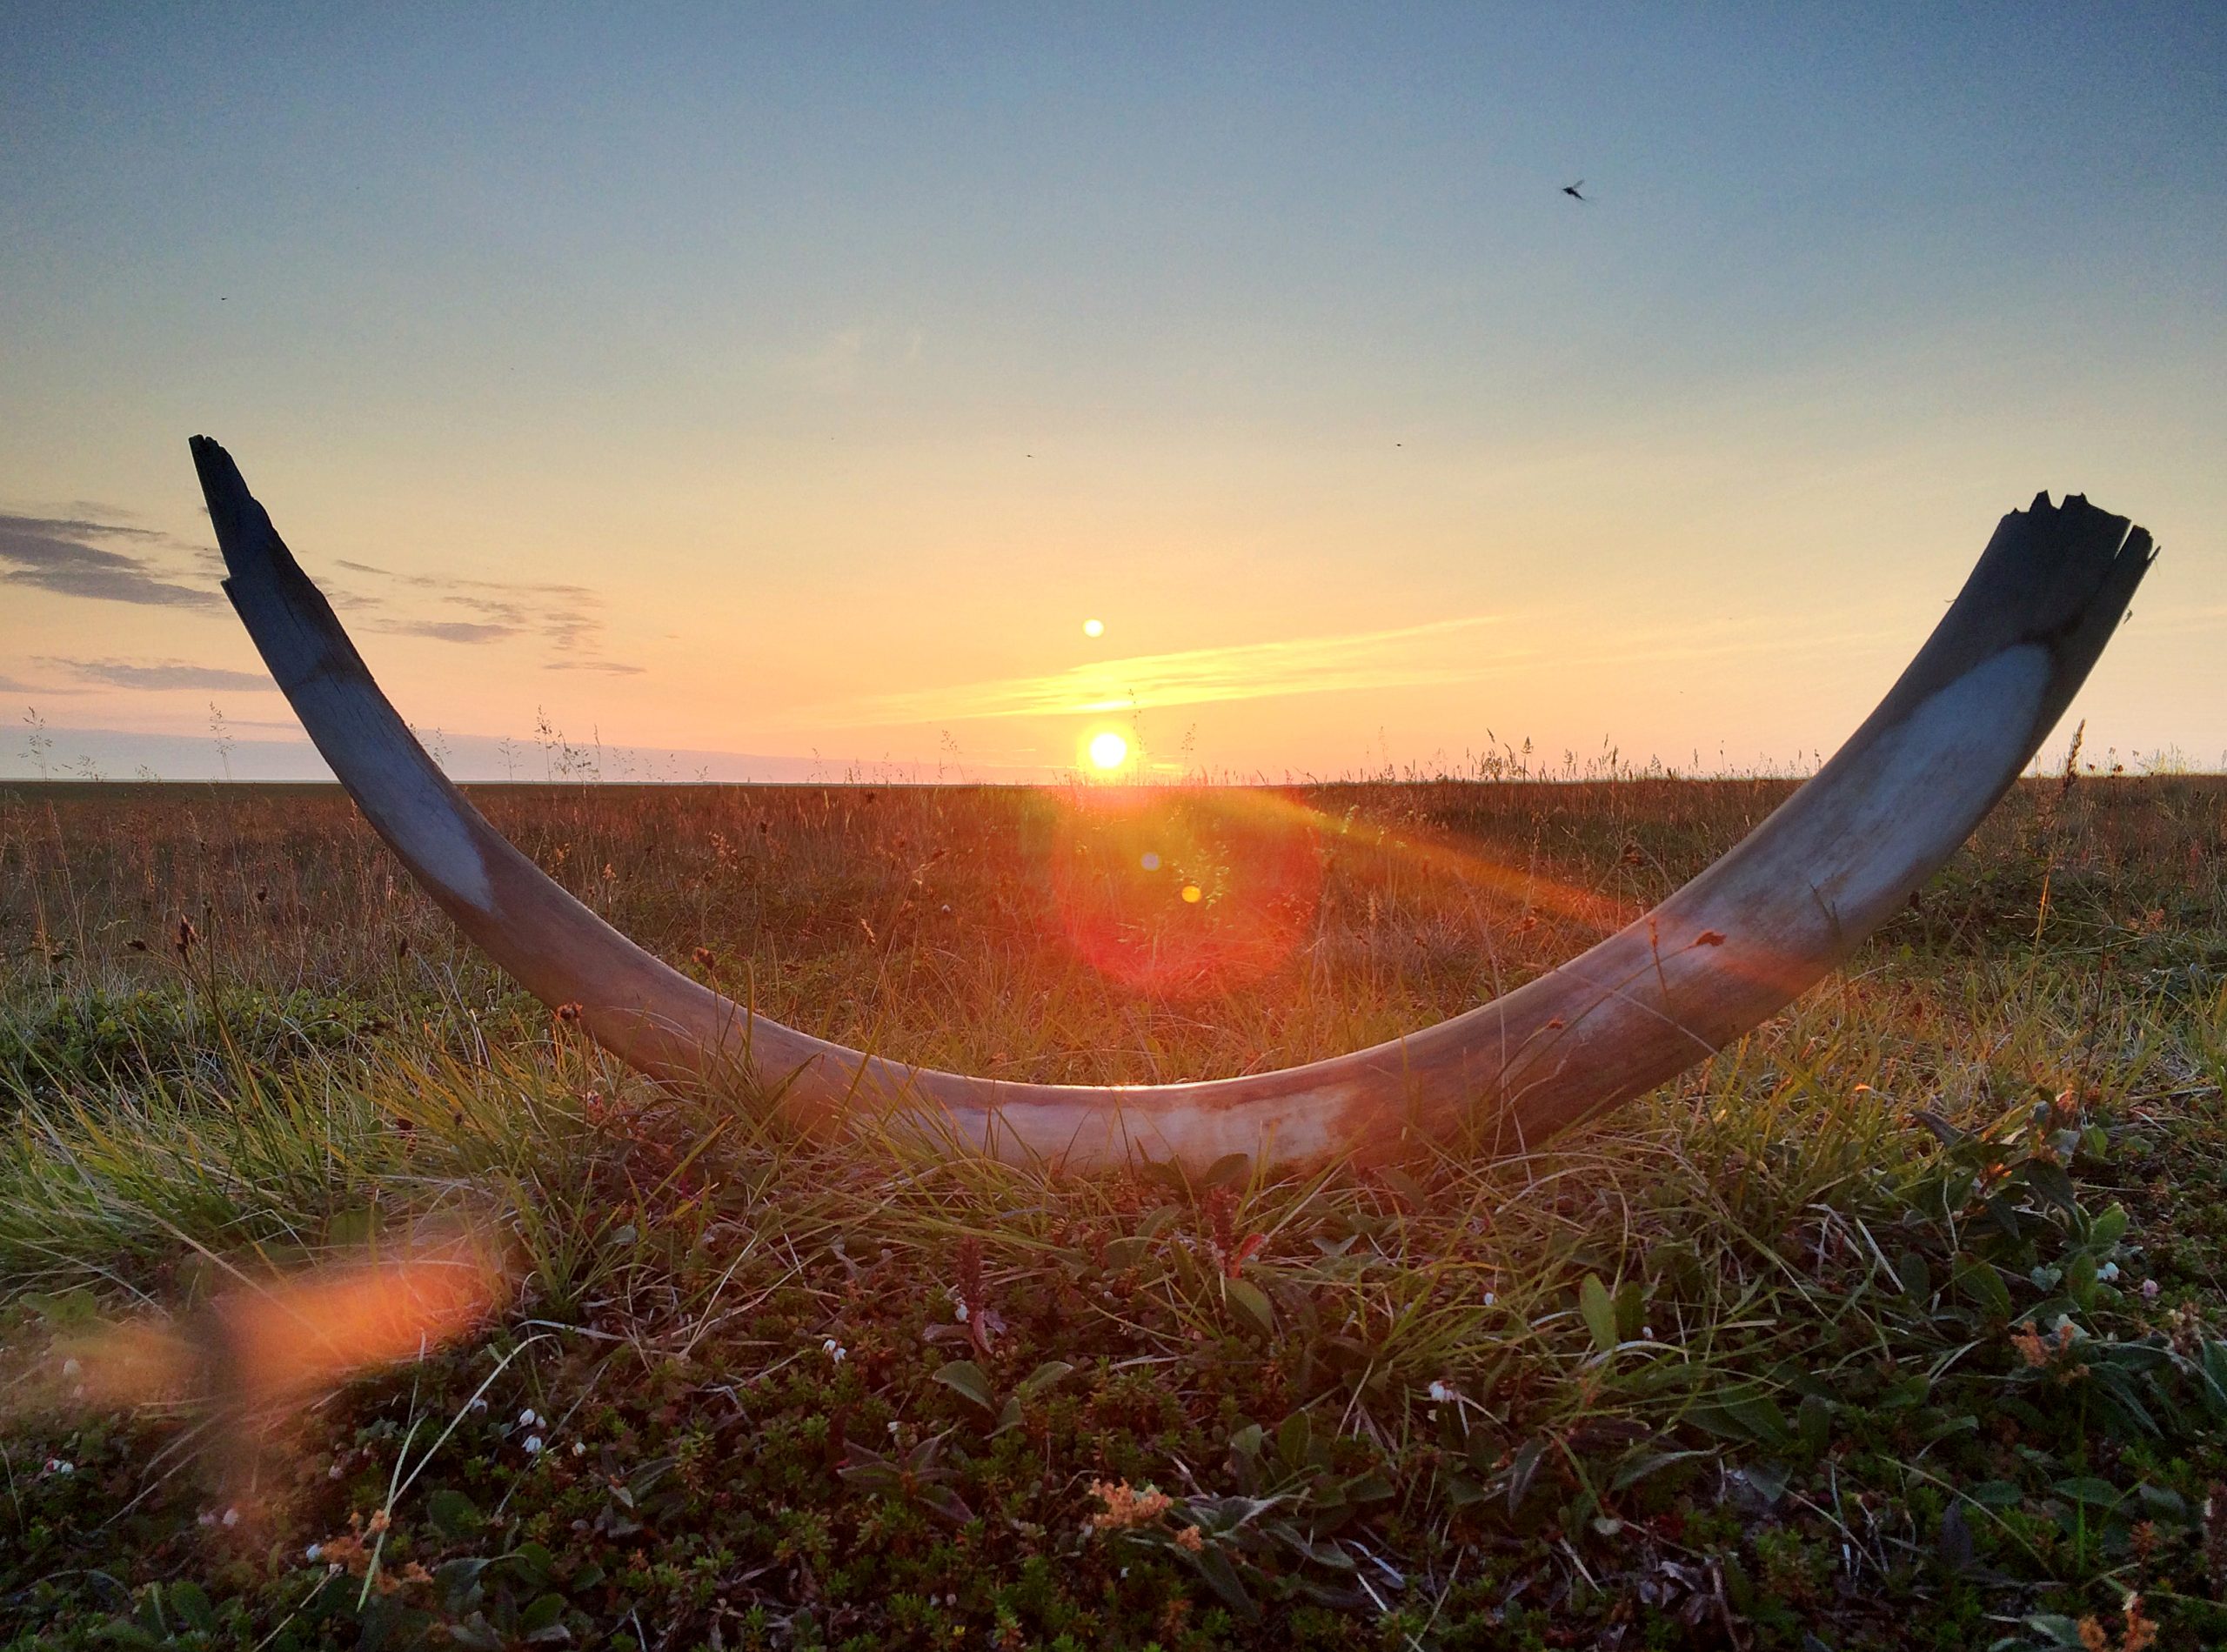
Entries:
{"x":1897,"y":1324}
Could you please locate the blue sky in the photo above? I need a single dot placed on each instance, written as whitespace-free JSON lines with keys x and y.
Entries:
{"x":798,"y":381}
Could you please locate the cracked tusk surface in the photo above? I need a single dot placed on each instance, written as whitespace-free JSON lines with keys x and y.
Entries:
{"x":1712,"y":962}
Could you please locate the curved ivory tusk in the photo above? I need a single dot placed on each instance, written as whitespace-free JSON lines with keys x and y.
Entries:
{"x":1731,"y":948}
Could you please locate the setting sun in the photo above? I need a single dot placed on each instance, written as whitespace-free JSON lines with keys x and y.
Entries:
{"x":1093,"y":627}
{"x":1109,"y":749}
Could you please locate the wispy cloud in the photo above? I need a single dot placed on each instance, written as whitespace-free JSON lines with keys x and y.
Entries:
{"x":13,"y":686}
{"x":611,"y":666}
{"x":567,"y":617}
{"x":57,"y":554}
{"x":455,"y":631}
{"x":1404,"y":657}
{"x":161,"y":673}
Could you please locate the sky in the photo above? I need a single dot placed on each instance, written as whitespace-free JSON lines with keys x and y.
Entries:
{"x":776,"y":392}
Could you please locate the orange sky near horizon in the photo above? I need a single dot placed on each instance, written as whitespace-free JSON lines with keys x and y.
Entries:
{"x":1366,"y":446}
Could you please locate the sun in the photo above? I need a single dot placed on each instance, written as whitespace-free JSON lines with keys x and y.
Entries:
{"x":1109,"y":749}
{"x":1093,"y":627}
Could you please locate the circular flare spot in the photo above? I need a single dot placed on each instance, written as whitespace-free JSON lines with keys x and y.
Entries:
{"x":1182,"y":893}
{"x":1093,"y":627}
{"x":1109,"y":749}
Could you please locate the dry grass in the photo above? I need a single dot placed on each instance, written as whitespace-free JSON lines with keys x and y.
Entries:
{"x":1756,"y":1361}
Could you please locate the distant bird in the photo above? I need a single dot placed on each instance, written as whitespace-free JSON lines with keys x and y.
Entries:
{"x":1571,"y":189}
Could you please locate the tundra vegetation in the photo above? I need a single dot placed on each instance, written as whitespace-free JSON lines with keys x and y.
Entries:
{"x":1897,"y":1323}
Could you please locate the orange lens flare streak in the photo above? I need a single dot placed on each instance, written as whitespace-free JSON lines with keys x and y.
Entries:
{"x":275,"y":1340}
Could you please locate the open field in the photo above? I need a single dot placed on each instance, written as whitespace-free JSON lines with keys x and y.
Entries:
{"x":1897,"y":1324}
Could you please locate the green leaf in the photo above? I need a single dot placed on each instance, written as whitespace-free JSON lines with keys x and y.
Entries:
{"x":1255,"y":1300}
{"x":2050,"y":1181}
{"x":2080,"y":1277}
{"x":1639,"y":1467}
{"x":1523,"y":1471}
{"x":2061,"y":1631}
{"x":1367,"y":1487}
{"x":1980,"y":1283}
{"x":1916,"y":1277}
{"x":1042,"y":1378}
{"x":190,"y":1603}
{"x":1813,"y":1421}
{"x":1229,"y":1168}
{"x":541,"y":1615}
{"x":1995,"y":1493}
{"x":453,"y":1514}
{"x":965,"y":1378}
{"x":1631,"y":1310}
{"x":2087,"y":1489}
{"x":532,"y":1562}
{"x":1009,"y":1418}
{"x":1599,"y":1312}
{"x":2110,"y":1227}
{"x":2163,"y":1501}
{"x":458,"y":1581}
{"x":2215,"y":1377}
{"x":63,"y":1310}
{"x":1221,"y":1576}
{"x":1294,"y":1438}
{"x":354,"y":1227}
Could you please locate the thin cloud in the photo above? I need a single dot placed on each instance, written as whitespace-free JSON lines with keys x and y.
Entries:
{"x":455,"y":631}
{"x":161,"y":673}
{"x":1394,"y":658}
{"x":611,"y":666}
{"x":11,"y":686}
{"x":487,"y":610}
{"x":57,"y":554}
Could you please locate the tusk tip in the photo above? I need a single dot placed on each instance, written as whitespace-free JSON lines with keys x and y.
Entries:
{"x":250,"y":544}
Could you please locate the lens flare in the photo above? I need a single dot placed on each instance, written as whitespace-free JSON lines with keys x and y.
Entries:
{"x":1109,"y":749}
{"x":1179,"y":892}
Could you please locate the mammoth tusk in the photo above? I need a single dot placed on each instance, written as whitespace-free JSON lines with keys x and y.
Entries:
{"x":1715,"y":960}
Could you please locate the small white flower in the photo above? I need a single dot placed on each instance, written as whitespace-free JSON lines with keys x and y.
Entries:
{"x":313,"y":1552}
{"x":478,"y":1403}
{"x":579,"y":1448}
{"x":959,"y":1313}
{"x":834,"y":1350}
{"x":532,"y":1445}
{"x":334,"y":1473}
{"x":2108,"y":1271}
{"x":60,"y":1466}
{"x":527,"y":1419}
{"x":1441,"y":1394}
{"x":71,"y":1367}
{"x":1647,"y":1333}
{"x":893,"y":1426}
{"x":2150,"y":1289}
{"x":231,"y":1518}
{"x":1491,"y":1297}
